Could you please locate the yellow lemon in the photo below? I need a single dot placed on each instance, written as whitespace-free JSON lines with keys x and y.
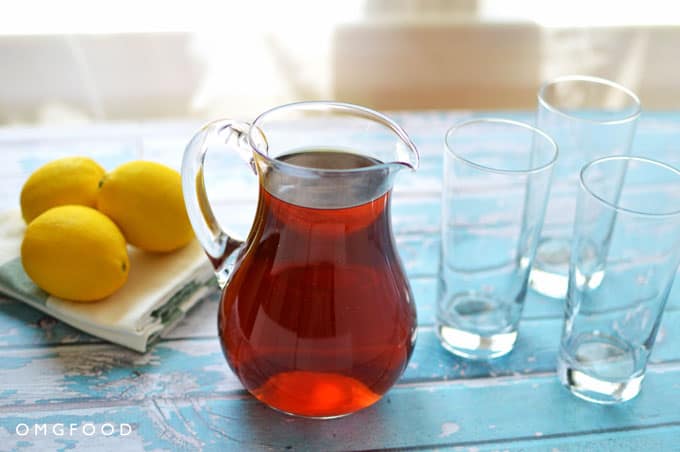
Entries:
{"x":71,"y":180}
{"x":75,"y":253}
{"x":145,"y":200}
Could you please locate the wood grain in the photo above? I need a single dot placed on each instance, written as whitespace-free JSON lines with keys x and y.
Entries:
{"x":492,"y":414}
{"x":182,"y":395}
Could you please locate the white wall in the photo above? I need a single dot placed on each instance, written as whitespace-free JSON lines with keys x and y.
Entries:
{"x":388,"y":65}
{"x":96,"y":76}
{"x":495,"y":65}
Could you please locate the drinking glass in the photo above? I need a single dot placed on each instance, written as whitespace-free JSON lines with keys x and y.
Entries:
{"x":589,"y":118}
{"x":496,"y":182}
{"x":625,"y":254}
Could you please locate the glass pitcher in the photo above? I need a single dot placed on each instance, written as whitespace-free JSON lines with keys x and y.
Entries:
{"x":316,"y":318}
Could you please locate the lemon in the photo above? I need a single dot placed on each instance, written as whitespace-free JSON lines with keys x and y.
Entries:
{"x":71,"y":180}
{"x":145,"y":200}
{"x":75,"y":253}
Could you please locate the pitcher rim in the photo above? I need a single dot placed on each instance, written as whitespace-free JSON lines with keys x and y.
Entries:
{"x":365,"y":112}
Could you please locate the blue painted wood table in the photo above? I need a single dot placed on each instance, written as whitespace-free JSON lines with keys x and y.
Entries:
{"x":182,"y":395}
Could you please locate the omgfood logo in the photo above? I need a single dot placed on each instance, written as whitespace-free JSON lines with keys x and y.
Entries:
{"x":86,"y":429}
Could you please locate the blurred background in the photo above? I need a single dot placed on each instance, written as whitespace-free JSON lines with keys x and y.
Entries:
{"x":79,"y":61}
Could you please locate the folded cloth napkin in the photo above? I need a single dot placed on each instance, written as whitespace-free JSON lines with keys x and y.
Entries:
{"x":159,"y":291}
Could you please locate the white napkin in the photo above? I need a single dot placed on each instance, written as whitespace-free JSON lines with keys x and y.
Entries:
{"x":159,"y":291}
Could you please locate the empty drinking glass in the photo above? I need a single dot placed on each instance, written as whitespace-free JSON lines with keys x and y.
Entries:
{"x":589,"y":118}
{"x":625,"y":254}
{"x":496,"y":184}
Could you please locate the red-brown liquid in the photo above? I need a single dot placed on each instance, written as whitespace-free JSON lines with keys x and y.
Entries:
{"x":318,"y":318}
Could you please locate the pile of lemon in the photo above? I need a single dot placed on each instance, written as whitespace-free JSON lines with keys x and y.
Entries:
{"x":81,"y":218}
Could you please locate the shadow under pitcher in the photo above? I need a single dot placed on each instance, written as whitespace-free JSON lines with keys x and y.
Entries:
{"x":317,"y":318}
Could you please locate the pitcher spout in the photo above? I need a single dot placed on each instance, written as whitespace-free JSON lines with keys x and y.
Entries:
{"x":404,"y":154}
{"x":345,"y":156}
{"x":336,"y":126}
{"x":407,"y":155}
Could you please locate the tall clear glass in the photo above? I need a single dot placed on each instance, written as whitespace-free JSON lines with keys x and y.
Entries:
{"x":589,"y":118}
{"x":625,"y":254}
{"x":496,"y":183}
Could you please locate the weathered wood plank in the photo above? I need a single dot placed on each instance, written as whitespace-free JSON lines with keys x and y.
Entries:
{"x":415,"y":211}
{"x":202,"y":320}
{"x":631,"y":439}
{"x":492,"y":414}
{"x":21,"y":158}
{"x":23,"y":326}
{"x":451,"y":415}
{"x":182,"y":394}
{"x":37,"y":376}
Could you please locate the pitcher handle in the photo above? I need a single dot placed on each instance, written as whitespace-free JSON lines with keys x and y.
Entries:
{"x":217,"y":244}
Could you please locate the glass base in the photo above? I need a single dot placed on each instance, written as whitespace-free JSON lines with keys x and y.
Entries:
{"x":600,"y":369}
{"x":478,"y":327}
{"x":549,"y":274}
{"x":473,"y":346}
